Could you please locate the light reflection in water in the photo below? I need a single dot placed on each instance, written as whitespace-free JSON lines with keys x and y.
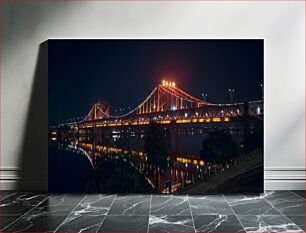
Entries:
{"x":181,"y":170}
{"x":178,"y":174}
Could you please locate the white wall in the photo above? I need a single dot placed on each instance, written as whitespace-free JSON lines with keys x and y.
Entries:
{"x":26,"y":25}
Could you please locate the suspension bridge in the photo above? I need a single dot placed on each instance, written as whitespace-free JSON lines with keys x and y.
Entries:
{"x":168,"y":104}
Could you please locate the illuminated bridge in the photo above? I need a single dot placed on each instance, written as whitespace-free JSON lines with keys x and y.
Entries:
{"x":175,"y":109}
{"x":168,"y":104}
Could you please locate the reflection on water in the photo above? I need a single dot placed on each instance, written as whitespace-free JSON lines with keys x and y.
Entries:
{"x":79,"y":167}
{"x":68,"y":171}
{"x":93,"y":164}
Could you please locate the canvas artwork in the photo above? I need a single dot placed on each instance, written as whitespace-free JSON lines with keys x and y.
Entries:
{"x":155,"y":116}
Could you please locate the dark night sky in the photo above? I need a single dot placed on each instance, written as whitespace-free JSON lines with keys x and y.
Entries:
{"x":124,"y":72}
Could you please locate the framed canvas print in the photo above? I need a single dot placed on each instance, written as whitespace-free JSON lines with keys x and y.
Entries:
{"x":155,"y":116}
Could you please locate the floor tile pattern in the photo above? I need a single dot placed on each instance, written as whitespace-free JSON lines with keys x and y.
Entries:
{"x":272,"y":211}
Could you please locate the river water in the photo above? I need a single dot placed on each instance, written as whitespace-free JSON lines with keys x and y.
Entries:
{"x":86,"y":165}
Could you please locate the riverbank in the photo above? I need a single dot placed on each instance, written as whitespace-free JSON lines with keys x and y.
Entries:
{"x":232,"y":179}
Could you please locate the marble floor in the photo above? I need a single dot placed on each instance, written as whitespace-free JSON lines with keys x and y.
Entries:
{"x":273,"y":211}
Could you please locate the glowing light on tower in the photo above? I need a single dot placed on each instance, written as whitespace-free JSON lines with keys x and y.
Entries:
{"x":170,"y":84}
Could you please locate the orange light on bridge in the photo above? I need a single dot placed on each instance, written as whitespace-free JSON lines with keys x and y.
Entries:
{"x":216,"y":119}
{"x":165,"y":122}
{"x":226,"y":119}
{"x":194,"y":120}
{"x":170,"y":84}
{"x":182,"y":121}
{"x":201,"y":162}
